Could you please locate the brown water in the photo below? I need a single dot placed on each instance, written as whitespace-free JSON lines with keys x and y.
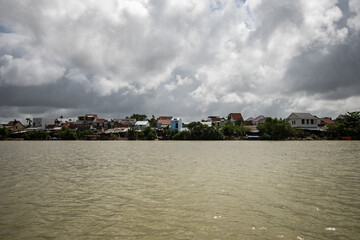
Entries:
{"x":180,"y":190}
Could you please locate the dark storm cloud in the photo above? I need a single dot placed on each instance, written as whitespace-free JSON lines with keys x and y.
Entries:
{"x":334,"y":74}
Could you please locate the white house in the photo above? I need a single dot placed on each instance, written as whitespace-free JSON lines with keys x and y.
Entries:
{"x":140,"y":125}
{"x":303,"y":121}
{"x":41,"y":123}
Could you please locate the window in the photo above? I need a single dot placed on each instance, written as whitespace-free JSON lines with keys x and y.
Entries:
{"x":302,"y":121}
{"x":307,"y":121}
{"x":293,"y":122}
{"x":312,"y":121}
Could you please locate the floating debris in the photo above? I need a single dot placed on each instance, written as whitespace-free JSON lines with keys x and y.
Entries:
{"x":330,"y":229}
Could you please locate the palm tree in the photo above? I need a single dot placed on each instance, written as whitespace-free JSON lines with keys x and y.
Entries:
{"x":29,"y":121}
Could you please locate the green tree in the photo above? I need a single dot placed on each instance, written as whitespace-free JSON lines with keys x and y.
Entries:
{"x":4,"y":133}
{"x":139,"y":117}
{"x":149,"y":133}
{"x":37,"y":135}
{"x":274,"y":129}
{"x":347,"y":127}
{"x":131,"y":134}
{"x":196,"y":130}
{"x":168,"y":133}
{"x":82,"y":134}
{"x":183,"y":135}
{"x":67,"y":134}
{"x":153,"y":122}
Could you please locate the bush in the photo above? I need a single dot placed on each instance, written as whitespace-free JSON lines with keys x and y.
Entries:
{"x":67,"y":134}
{"x":4,"y":133}
{"x":37,"y":135}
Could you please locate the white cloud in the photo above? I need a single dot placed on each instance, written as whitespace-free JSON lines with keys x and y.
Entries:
{"x":228,"y":51}
{"x":354,"y":21}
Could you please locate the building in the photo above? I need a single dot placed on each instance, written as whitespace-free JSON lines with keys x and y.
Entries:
{"x":42,"y":123}
{"x":127,"y":122}
{"x":325,"y":122}
{"x":235,"y":117}
{"x":14,"y":126}
{"x":87,"y":119}
{"x":216,"y":121}
{"x":304,"y":121}
{"x":140,"y":125}
{"x":176,"y":123}
{"x":163,"y":122}
{"x":260,"y":119}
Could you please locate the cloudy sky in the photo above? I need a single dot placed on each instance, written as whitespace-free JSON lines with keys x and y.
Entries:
{"x":184,"y":58}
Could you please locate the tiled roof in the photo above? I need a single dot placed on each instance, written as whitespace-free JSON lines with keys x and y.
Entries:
{"x":100,"y":120}
{"x":165,"y":117}
{"x":164,"y":121}
{"x":305,"y":115}
{"x":236,"y":116}
{"x":327,"y":120}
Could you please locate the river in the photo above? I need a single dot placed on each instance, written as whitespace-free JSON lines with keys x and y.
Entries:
{"x":180,"y":190}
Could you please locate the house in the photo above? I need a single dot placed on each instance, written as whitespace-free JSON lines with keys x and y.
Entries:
{"x":304,"y":121}
{"x":235,"y":117}
{"x":87,"y":119}
{"x":176,"y":123}
{"x":216,"y":121}
{"x":14,"y":126}
{"x":127,"y":122}
{"x":163,"y":122}
{"x":325,"y":122}
{"x":100,"y":124}
{"x":260,"y":119}
{"x":41,"y":123}
{"x":140,"y":125}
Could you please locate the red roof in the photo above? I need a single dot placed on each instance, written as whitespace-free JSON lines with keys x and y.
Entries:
{"x":236,"y":116}
{"x":327,"y":121}
{"x":215,"y":119}
{"x":129,"y":119}
{"x":100,"y":120}
{"x":165,"y":118}
{"x":164,"y":121}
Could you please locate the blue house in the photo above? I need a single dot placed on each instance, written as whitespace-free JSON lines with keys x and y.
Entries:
{"x":176,"y":123}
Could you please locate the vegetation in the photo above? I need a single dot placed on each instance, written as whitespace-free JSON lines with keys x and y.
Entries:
{"x":199,"y":131}
{"x":82,"y":134}
{"x":139,"y":117}
{"x":347,"y":127}
{"x":67,"y":134}
{"x":153,"y":122}
{"x":131,"y":134}
{"x":4,"y":133}
{"x":149,"y":133}
{"x":274,"y":129}
{"x":229,"y":130}
{"x":37,"y":135}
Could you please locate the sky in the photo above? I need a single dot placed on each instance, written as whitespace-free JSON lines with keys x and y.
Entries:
{"x":183,"y":58}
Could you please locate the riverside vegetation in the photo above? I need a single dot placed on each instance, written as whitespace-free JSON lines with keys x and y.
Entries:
{"x":272,"y":129}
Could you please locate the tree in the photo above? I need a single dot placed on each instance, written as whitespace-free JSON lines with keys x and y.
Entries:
{"x":149,"y":133}
{"x":139,"y":117}
{"x":153,"y":122}
{"x":29,"y":121}
{"x":274,"y":129}
{"x":67,"y":134}
{"x":228,"y":129}
{"x":37,"y":135}
{"x":4,"y":133}
{"x":131,"y":134}
{"x":347,"y":127}
{"x":84,"y":133}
